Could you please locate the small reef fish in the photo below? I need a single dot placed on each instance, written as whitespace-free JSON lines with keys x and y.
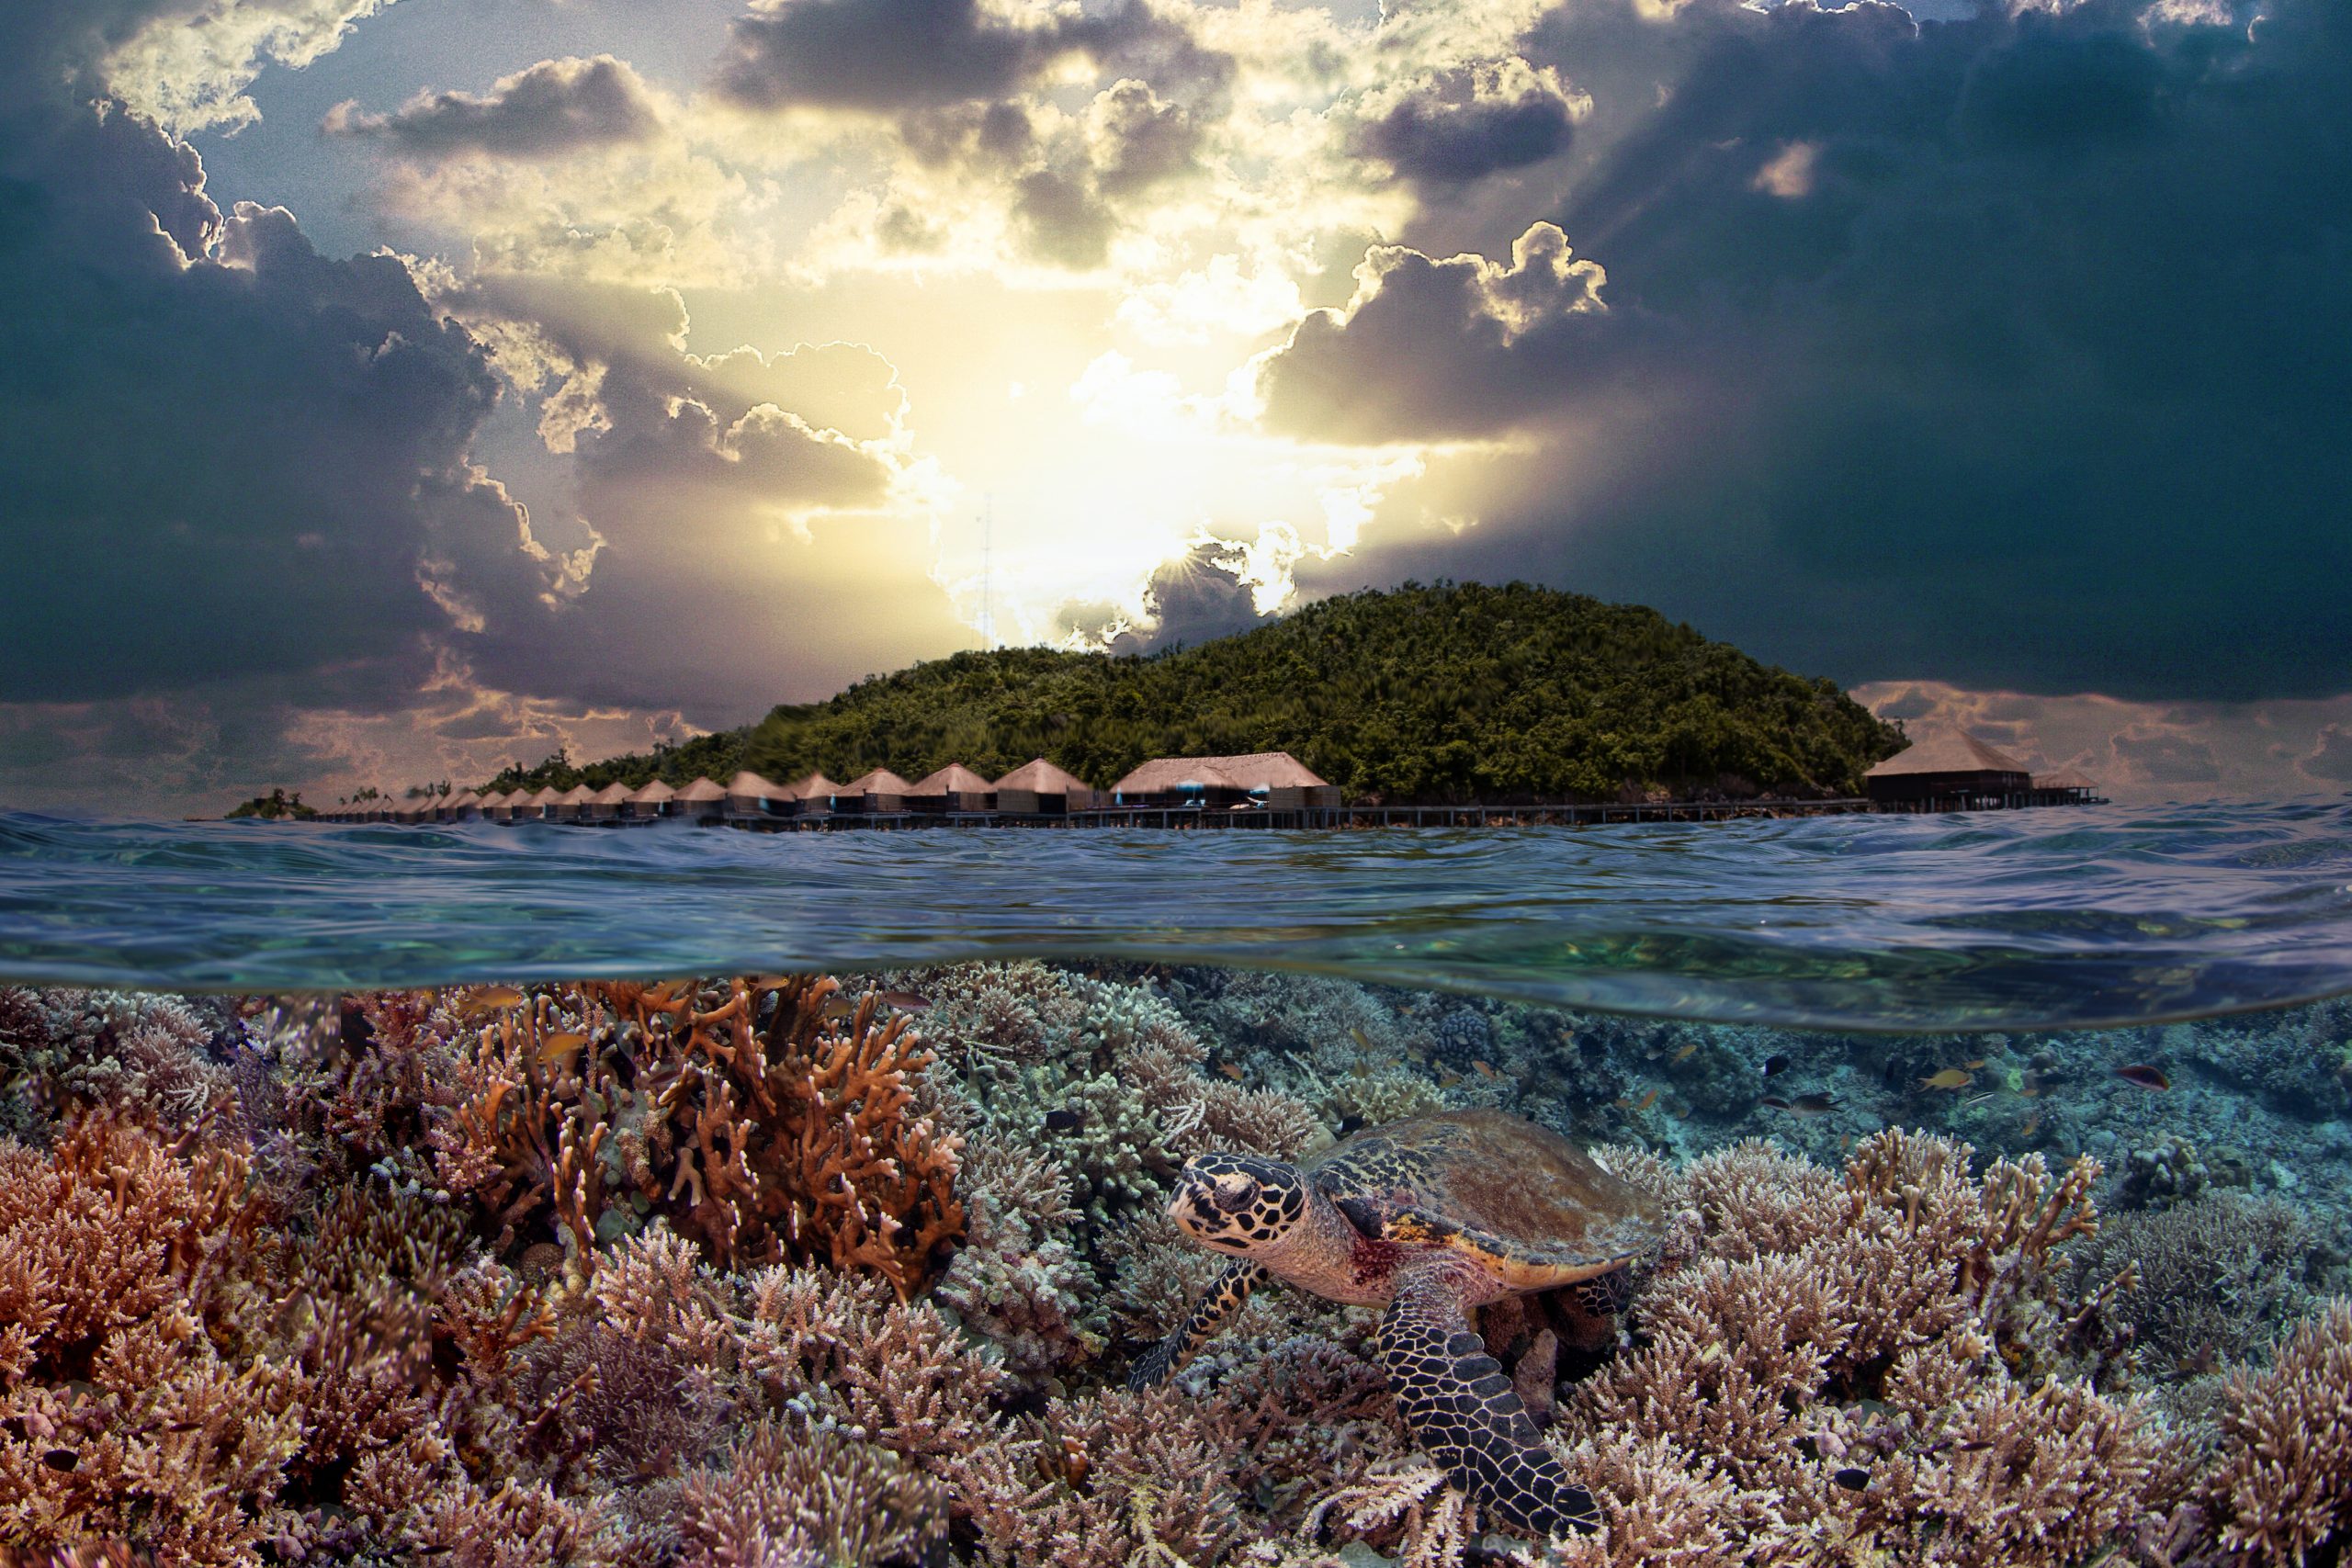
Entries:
{"x":1064,"y":1121}
{"x":837,"y":1008}
{"x":1950,"y":1078}
{"x":490,"y":1000}
{"x":1230,"y":1070}
{"x":905,"y":1002}
{"x":1648,"y":1100}
{"x":1973,"y":1066}
{"x":560,"y":1048}
{"x":1686,"y":1053}
{"x":1485,"y":1069}
{"x":1813,"y":1104}
{"x":2144,"y":1075}
{"x":1775,"y":1065}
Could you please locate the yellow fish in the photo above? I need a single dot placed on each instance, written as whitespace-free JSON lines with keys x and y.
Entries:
{"x":490,"y":999}
{"x":561,"y":1048}
{"x":1950,"y":1078}
{"x":1686,"y":1053}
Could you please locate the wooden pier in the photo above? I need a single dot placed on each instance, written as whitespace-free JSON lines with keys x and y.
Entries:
{"x":1566,"y":815}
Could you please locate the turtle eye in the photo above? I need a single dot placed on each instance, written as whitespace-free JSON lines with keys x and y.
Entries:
{"x":1233,"y":1190}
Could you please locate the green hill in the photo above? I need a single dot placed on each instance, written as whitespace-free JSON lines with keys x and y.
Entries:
{"x":1458,"y":692}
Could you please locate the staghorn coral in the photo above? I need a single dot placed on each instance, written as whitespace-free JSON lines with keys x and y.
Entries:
{"x":2211,"y":1281}
{"x":792,"y":1493}
{"x":1018,"y":1278}
{"x":2284,"y":1482}
{"x":133,"y":1052}
{"x":763,"y":1119}
{"x":118,"y":1419}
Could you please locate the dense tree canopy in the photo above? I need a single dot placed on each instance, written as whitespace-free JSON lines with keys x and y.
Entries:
{"x":1457,"y":692}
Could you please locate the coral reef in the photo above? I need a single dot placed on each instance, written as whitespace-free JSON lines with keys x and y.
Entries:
{"x":776,"y":1270}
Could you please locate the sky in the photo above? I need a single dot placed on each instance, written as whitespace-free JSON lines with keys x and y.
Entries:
{"x":393,"y":389}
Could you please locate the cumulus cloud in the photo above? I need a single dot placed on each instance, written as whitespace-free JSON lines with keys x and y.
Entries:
{"x":550,"y":108}
{"x":1433,"y":349}
{"x":885,"y":56}
{"x":1461,"y":124}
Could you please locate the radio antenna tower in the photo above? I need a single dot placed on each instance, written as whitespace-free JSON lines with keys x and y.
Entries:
{"x":987,"y":551}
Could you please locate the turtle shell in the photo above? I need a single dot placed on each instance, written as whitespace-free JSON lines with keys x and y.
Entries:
{"x":1514,"y":1198}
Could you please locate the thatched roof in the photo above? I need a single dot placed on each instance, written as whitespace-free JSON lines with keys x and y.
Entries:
{"x":578,"y":795}
{"x":1947,"y":752}
{"x":815,"y":784}
{"x":749,"y":786}
{"x":460,"y":800}
{"x":1249,"y":771}
{"x":1162,"y":774}
{"x":1042,"y":777}
{"x":2064,"y":778}
{"x":953,"y":779}
{"x":546,"y":794}
{"x":614,"y":794}
{"x":656,"y":792}
{"x":880,"y":781}
{"x":703,"y":789}
{"x":496,"y":797}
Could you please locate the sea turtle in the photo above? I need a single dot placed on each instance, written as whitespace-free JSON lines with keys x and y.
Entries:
{"x":1431,"y":1217}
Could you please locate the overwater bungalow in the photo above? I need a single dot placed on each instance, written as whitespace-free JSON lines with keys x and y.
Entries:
{"x":411,"y":810}
{"x":704,"y":800}
{"x":818,"y":795}
{"x":606,"y":804}
{"x":571,"y":805}
{"x":498,"y":806}
{"x":1274,"y":779}
{"x":538,"y":805}
{"x":1944,"y":764}
{"x":2067,"y":787}
{"x":463,"y":807}
{"x":878,"y":792}
{"x":952,"y":788}
{"x":1038,"y":788}
{"x":654,"y":800}
{"x":750,"y":795}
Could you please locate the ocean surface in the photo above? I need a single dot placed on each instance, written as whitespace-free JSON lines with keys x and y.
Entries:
{"x":2058,"y":917}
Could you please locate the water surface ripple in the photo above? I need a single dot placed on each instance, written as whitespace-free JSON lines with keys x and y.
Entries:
{"x":2049,"y":919}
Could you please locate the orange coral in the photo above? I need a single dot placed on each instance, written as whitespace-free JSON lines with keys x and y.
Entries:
{"x":763,"y":1118}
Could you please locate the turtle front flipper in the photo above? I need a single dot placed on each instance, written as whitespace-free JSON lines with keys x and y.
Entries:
{"x":1224,"y":1297}
{"x":1462,"y":1410}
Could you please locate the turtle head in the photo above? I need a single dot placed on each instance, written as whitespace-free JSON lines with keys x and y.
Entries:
{"x":1238,"y":1203}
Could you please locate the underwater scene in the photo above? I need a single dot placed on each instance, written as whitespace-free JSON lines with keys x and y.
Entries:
{"x":1131,"y":1259}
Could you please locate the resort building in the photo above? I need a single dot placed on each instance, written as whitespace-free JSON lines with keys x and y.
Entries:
{"x":606,"y":804}
{"x":818,"y":795}
{"x":1274,"y":779}
{"x":538,"y":805}
{"x":1947,"y":764}
{"x":750,"y":795}
{"x":496,"y":806}
{"x":1038,"y":788}
{"x":878,"y":792}
{"x":704,"y":800}
{"x":2067,"y":787}
{"x":953,"y":788}
{"x":648,"y":803}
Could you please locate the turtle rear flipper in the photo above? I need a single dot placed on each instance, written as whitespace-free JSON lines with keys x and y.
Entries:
{"x":1463,"y":1413}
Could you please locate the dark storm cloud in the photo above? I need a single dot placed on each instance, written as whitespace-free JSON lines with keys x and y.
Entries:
{"x":224,"y":453}
{"x":1061,"y":220}
{"x":553,"y":108}
{"x":887,"y":56}
{"x":1138,"y":140}
{"x":2012,"y":350}
{"x":1467,"y":123}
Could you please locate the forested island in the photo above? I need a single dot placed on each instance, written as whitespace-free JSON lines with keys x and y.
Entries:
{"x":1451,"y":692}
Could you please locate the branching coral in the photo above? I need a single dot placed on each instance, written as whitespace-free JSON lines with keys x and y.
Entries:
{"x":766,"y":1119}
{"x":133,"y":1052}
{"x":2285,"y":1480}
